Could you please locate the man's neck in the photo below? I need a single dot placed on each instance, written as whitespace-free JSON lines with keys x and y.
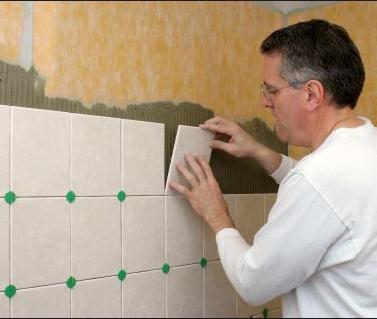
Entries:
{"x":332,"y":120}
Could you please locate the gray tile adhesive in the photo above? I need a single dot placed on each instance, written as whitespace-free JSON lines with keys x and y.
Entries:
{"x":235,"y":176}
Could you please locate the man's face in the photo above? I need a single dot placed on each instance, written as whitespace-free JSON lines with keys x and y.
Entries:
{"x":286,"y":103}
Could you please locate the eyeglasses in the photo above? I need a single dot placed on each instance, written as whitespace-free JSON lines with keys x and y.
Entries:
{"x":269,"y":93}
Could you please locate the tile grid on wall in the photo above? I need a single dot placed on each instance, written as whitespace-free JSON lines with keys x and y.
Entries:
{"x":122,"y":210}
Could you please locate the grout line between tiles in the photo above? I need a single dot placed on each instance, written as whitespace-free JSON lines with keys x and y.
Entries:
{"x":70,"y":210}
{"x":64,"y":283}
{"x":9,"y":186}
{"x":165,"y":257}
{"x":81,"y":196}
{"x":122,"y":217}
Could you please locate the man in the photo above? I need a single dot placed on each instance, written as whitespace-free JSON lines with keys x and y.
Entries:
{"x":318,"y":249}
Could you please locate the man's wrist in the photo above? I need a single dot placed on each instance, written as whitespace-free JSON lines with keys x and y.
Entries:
{"x":219,"y":224}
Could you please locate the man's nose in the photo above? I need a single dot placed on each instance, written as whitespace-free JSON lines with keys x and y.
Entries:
{"x":265,"y":102}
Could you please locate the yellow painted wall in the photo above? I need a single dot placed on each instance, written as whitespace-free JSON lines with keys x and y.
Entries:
{"x":10,"y":30}
{"x":359,"y":18}
{"x":119,"y":53}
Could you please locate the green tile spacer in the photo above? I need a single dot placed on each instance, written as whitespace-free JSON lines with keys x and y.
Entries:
{"x":71,"y":282}
{"x":121,"y":196}
{"x":71,"y":196}
{"x":203,"y":262}
{"x":10,"y":197}
{"x":265,"y":313}
{"x":10,"y":291}
{"x":122,"y":275}
{"x":165,"y":268}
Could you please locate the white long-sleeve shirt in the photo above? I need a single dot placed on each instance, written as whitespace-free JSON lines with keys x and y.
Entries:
{"x":318,"y":249}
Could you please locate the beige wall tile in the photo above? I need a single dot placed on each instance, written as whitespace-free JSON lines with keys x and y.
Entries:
{"x":42,"y":302}
{"x":145,"y":295}
{"x":250,"y":215}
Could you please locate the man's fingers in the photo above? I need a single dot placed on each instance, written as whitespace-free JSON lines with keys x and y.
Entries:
{"x":195,"y":167}
{"x":224,"y":146}
{"x":179,"y":188}
{"x":191,"y":179}
{"x":206,"y":168}
{"x":217,"y":128}
{"x":214,"y":120}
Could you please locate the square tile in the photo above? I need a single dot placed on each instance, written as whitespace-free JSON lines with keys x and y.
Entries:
{"x":40,"y":147}
{"x":143,"y":157}
{"x":40,"y":234}
{"x":95,"y":155}
{"x":4,"y":245}
{"x":185,"y":292}
{"x":274,"y":303}
{"x":250,"y":215}
{"x":244,"y":310}
{"x":269,"y":201}
{"x":184,"y":232}
{"x":144,"y":232}
{"x":145,"y":295}
{"x":189,"y":140}
{"x":4,"y":148}
{"x":42,"y":302}
{"x":96,"y":237}
{"x":220,"y":297}
{"x":276,"y":313}
{"x":98,"y":298}
{"x":4,"y":306}
{"x":210,"y":245}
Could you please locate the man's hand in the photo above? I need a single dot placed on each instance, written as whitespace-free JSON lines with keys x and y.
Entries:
{"x":240,"y":143}
{"x":205,"y":196}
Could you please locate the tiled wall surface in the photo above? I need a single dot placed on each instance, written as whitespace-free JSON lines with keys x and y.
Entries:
{"x":46,"y":236}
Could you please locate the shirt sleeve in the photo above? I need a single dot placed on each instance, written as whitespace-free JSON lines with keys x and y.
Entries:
{"x":287,"y":249}
{"x":286,"y":165}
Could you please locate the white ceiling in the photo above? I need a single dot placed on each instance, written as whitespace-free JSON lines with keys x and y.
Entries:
{"x":287,"y":7}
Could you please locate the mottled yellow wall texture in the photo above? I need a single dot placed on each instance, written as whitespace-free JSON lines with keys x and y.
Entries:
{"x":119,"y":53}
{"x":359,"y":18}
{"x":10,"y":30}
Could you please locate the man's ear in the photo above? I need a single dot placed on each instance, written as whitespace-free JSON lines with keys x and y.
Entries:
{"x":315,"y":94}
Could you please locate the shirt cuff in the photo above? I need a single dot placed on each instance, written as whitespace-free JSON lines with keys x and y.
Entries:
{"x":226,"y":233}
{"x":286,"y":165}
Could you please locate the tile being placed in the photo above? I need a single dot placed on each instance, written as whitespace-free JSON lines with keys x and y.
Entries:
{"x":210,"y":245}
{"x":40,"y":147}
{"x":98,"y":298}
{"x":95,"y":155}
{"x":4,"y":306}
{"x":42,"y":302}
{"x":40,"y":235}
{"x":184,"y":232}
{"x":220,"y":297}
{"x":4,"y":148}
{"x":189,"y":140}
{"x":144,"y":295}
{"x":144,"y":232}
{"x":185,"y":292}
{"x":4,"y":244}
{"x":143,"y":157}
{"x":96,"y":237}
{"x":250,"y":215}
